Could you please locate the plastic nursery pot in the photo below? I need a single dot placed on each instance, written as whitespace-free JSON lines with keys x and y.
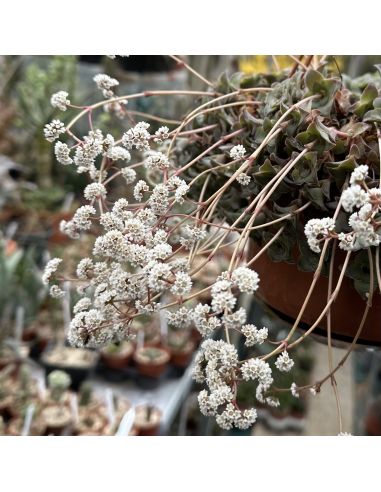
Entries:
{"x":78,"y":363}
{"x":57,"y":418}
{"x":147,"y":420}
{"x":151,"y":361}
{"x":284,"y":287}
{"x":117,"y":356}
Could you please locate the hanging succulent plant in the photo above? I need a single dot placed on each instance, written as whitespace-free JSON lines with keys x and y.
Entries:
{"x":335,"y":126}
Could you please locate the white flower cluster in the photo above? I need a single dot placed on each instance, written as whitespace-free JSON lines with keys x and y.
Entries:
{"x":157,"y":160}
{"x":94,"y":144}
{"x":317,"y":230}
{"x":253,"y":335}
{"x":284,"y":363}
{"x":56,"y":292}
{"x":50,"y":268}
{"x":243,"y":179}
{"x":365,"y":204}
{"x":181,"y":318}
{"x":205,"y":322}
{"x":217,"y":365}
{"x":366,"y":231}
{"x":294,"y":390}
{"x":62,"y":153}
{"x":59,"y":100}
{"x":95,"y":190}
{"x":137,"y":137}
{"x":161,"y":134}
{"x":53,"y":130}
{"x":191,"y":235}
{"x":106,"y":84}
{"x":245,"y":279}
{"x":81,"y":221}
{"x":237,"y":152}
{"x":257,"y":369}
{"x":130,"y":266}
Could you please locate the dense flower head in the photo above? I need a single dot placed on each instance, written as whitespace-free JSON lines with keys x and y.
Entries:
{"x":317,"y":230}
{"x":53,"y":130}
{"x":137,"y":137}
{"x":60,"y":100}
{"x":246,"y":280}
{"x":106,"y":83}
{"x":161,"y":134}
{"x":62,"y":153}
{"x":50,"y":268}
{"x":253,"y":335}
{"x":157,"y":160}
{"x":243,"y":179}
{"x":238,"y":152}
{"x":284,"y":363}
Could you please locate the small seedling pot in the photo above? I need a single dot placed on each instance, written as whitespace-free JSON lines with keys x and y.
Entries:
{"x":151,"y":361}
{"x":147,"y":420}
{"x":117,"y":359}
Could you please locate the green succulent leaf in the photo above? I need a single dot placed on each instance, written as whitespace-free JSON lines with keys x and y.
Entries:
{"x":315,"y":196}
{"x":340,"y":170}
{"x":366,"y":100}
{"x":305,"y":170}
{"x":265,"y":173}
{"x":325,"y":88}
{"x":373,"y":115}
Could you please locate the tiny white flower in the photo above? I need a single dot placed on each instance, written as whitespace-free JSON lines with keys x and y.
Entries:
{"x":59,"y":100}
{"x":237,"y":152}
{"x":284,"y":363}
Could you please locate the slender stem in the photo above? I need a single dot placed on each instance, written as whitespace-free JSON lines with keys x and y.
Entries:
{"x":265,"y":247}
{"x":137,"y":96}
{"x":329,"y":337}
{"x":378,"y":273}
{"x":191,"y":70}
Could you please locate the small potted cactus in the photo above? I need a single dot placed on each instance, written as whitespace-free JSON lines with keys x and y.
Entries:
{"x":117,"y":355}
{"x":147,"y":420}
{"x":56,"y":414}
{"x":78,"y":363}
{"x":91,"y":420}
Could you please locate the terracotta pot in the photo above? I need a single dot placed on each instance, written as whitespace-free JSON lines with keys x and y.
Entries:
{"x":146,"y":427}
{"x":118,"y":360}
{"x":283,"y":287}
{"x":151,"y":367}
{"x":182,"y":357}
